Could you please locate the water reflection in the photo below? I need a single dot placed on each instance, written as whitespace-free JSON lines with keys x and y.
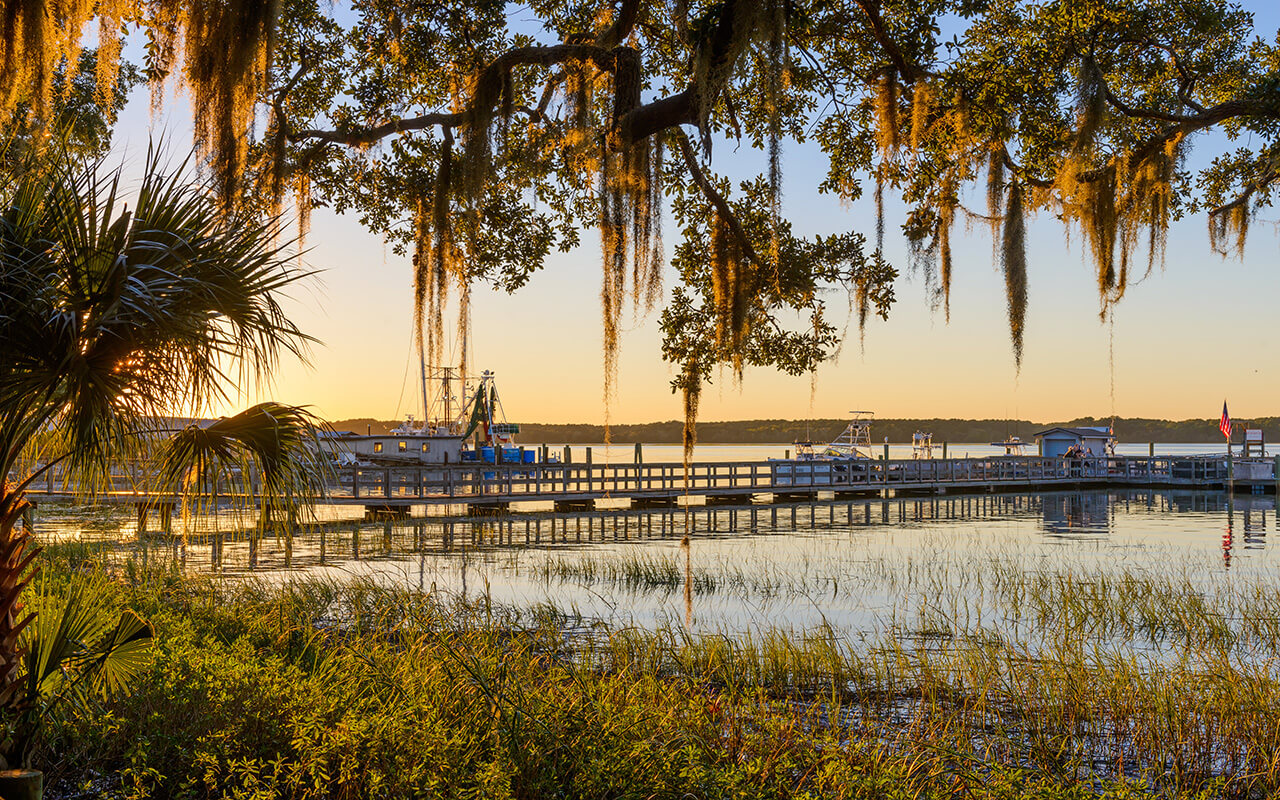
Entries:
{"x":786,"y":563}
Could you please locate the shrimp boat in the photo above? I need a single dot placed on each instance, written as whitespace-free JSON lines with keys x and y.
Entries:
{"x":462,"y":422}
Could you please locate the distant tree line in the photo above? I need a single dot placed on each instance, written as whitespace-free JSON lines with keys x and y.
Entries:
{"x":899,"y":431}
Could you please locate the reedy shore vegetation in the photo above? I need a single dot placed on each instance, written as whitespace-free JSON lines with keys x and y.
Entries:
{"x":295,"y":686}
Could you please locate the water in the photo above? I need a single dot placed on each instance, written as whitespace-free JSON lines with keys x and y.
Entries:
{"x":864,"y":567}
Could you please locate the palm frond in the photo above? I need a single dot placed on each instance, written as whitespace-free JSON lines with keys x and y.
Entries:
{"x":115,"y":318}
{"x":277,"y":443}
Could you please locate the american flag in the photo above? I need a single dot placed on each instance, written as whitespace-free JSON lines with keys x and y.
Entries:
{"x":1225,"y":424}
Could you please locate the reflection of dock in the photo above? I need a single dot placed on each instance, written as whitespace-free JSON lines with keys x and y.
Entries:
{"x":492,"y":488}
{"x":344,"y":544}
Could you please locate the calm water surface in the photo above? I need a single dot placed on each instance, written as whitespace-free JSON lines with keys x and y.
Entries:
{"x":863,"y":567}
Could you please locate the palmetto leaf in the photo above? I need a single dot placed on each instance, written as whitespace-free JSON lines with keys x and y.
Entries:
{"x":80,"y":645}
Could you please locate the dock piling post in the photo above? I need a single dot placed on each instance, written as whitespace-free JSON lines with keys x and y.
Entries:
{"x":1276,"y":474}
{"x":944,"y":451}
{"x":1231,"y":471}
{"x":568,"y":454}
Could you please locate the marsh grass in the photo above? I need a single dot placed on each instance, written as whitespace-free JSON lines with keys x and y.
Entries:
{"x":323,"y":688}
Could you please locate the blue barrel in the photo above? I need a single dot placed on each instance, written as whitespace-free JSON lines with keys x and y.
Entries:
{"x":487,"y":455}
{"x":530,"y":456}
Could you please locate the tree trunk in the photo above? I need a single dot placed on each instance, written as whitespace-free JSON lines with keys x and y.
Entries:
{"x":21,"y":784}
{"x":15,"y":556}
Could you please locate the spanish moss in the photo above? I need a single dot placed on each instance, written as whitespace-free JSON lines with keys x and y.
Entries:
{"x":1228,"y":227}
{"x":1013,"y":258}
{"x":1091,"y":104}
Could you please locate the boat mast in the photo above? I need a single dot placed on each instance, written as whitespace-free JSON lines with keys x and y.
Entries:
{"x":426,"y":398}
{"x":447,"y":380}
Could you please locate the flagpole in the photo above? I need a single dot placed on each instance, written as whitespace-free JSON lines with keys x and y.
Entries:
{"x":1225,"y":427}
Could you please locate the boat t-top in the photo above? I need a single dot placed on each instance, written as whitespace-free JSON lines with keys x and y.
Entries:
{"x":1013,"y":446}
{"x":856,"y":434}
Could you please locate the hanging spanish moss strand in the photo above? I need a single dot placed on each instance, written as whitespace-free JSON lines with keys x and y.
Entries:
{"x":421,"y":275}
{"x":722,"y":275}
{"x":477,"y":150}
{"x":922,"y":101}
{"x":944,"y":261}
{"x":653,"y":282}
{"x":1228,"y":227}
{"x":885,"y":108}
{"x":302,"y":205}
{"x":711,"y":74}
{"x":640,"y":199}
{"x":691,"y":392}
{"x":995,"y":192}
{"x":613,"y":236}
{"x":1098,"y":213}
{"x":464,"y":323}
{"x":1014,"y":261}
{"x":1091,"y":105}
{"x":879,"y":198}
{"x":948,"y":200}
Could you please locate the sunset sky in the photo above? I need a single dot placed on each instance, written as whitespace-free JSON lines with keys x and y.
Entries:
{"x":1201,"y":329}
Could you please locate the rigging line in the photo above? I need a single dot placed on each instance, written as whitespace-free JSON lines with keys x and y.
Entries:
{"x":408,"y":357}
{"x":1111,"y":360}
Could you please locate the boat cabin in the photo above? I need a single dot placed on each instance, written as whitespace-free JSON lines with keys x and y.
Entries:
{"x":394,"y":447}
{"x":1056,"y":442}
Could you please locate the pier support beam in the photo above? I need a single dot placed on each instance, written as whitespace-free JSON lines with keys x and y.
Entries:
{"x":794,"y":496}
{"x":665,"y":501}
{"x":574,"y":505}
{"x":865,"y":491}
{"x":384,"y":511}
{"x":720,"y":499}
{"x":488,"y":509}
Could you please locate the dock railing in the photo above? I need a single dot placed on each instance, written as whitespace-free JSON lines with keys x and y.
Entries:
{"x":474,"y":482}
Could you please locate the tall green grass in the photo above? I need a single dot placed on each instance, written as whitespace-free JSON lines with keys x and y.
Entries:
{"x":312,"y":688}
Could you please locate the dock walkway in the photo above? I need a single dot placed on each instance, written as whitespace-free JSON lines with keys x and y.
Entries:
{"x":494,"y":487}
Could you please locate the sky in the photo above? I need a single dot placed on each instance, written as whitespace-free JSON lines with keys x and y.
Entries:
{"x":1197,"y":331}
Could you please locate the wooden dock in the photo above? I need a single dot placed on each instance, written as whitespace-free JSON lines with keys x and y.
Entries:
{"x":493,"y":488}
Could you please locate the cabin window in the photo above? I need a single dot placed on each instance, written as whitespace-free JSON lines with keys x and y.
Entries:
{"x":404,"y":446}
{"x":426,"y":446}
{"x":377,"y":447}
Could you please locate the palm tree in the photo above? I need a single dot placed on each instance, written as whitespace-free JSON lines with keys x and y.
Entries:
{"x":112,"y":321}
